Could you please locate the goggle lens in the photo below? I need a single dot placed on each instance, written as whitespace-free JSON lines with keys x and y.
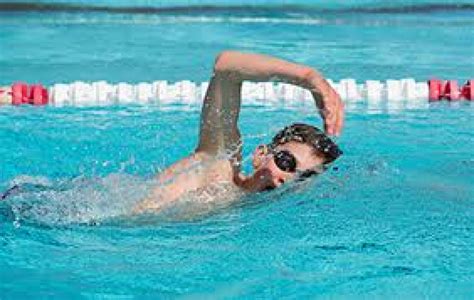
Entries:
{"x":285,"y":161}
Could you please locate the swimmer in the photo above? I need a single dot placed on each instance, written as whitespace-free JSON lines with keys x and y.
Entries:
{"x":297,"y":151}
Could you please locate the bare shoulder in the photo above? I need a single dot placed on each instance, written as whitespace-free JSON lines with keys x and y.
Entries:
{"x":190,"y":174}
{"x":181,"y":166}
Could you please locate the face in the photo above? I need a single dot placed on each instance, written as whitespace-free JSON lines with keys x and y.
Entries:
{"x":270,"y":175}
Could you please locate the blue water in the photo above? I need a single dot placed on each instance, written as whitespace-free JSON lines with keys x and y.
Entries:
{"x":394,"y":219}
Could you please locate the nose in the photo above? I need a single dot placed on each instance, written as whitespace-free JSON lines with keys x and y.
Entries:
{"x":278,"y":177}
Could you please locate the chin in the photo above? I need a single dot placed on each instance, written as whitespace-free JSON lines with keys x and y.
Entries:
{"x":261,"y":180}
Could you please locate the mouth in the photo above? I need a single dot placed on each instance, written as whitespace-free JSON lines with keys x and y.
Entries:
{"x":268,"y":188}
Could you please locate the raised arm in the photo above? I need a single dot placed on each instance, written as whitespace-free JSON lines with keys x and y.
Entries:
{"x":219,"y":131}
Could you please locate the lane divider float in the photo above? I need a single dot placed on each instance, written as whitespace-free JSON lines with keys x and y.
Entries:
{"x":262,"y":93}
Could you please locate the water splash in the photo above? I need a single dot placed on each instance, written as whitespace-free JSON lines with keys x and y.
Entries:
{"x":39,"y":200}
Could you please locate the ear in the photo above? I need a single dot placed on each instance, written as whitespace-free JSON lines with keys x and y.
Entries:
{"x":258,"y":155}
{"x":261,"y":149}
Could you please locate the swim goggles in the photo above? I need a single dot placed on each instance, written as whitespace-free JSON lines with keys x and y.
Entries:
{"x":286,"y":162}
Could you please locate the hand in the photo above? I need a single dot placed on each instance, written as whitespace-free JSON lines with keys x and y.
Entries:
{"x":330,"y":106}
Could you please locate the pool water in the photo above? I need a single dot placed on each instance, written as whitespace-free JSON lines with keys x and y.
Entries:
{"x":393,"y":218}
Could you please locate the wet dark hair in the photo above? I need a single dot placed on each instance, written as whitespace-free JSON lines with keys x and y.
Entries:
{"x":311,"y":136}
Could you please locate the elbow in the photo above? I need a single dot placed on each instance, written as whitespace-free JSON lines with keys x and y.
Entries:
{"x":309,"y":76}
{"x":223,"y":61}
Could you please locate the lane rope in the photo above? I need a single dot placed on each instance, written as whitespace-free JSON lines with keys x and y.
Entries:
{"x":263,"y":93}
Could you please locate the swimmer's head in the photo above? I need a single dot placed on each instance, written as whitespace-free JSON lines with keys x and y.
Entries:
{"x":296,"y":151}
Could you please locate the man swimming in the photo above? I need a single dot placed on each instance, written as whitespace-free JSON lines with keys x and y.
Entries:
{"x":297,"y":151}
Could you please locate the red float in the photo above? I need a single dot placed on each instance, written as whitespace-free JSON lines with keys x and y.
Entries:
{"x":38,"y":95}
{"x":45,"y":96}
{"x":451,"y":90}
{"x":467,"y":91}
{"x":19,"y":93}
{"x":434,"y":90}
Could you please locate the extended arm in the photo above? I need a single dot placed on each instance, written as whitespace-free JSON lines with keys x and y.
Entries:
{"x":219,"y":131}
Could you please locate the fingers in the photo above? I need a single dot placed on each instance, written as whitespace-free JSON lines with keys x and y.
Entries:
{"x":334,"y":116}
{"x":330,"y":107}
{"x":340,"y":119}
{"x":330,"y":119}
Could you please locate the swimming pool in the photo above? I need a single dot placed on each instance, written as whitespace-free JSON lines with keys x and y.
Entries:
{"x":394,"y":219}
